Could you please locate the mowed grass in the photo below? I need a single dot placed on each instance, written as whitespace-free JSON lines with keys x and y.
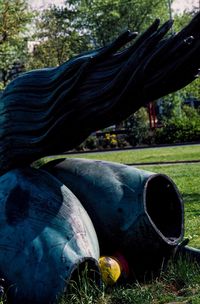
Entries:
{"x":162,"y":154}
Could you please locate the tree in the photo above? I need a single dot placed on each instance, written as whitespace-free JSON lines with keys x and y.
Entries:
{"x":81,"y":25}
{"x":106,"y":19}
{"x":58,"y":39}
{"x":172,"y":103}
{"x":14,"y":18}
{"x":138,"y":127}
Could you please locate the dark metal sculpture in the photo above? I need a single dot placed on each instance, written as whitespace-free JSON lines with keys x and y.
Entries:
{"x":135,"y":212}
{"x":45,"y":235}
{"x":45,"y":230}
{"x":49,"y":111}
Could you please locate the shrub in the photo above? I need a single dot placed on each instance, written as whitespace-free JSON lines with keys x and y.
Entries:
{"x":183,"y":128}
{"x":138,"y":127}
{"x":91,"y":143}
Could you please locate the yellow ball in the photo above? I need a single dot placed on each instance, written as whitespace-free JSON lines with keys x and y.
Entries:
{"x":110,"y":270}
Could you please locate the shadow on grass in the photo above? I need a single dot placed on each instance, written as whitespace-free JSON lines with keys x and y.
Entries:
{"x":191,"y":198}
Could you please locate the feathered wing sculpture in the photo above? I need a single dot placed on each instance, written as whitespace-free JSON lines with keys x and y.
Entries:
{"x":49,"y":111}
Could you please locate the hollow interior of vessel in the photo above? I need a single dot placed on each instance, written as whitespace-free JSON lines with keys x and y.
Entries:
{"x":164,"y":207}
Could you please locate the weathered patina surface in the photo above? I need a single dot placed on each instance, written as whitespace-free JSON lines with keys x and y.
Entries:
{"x":136,"y":212}
{"x":45,"y":233}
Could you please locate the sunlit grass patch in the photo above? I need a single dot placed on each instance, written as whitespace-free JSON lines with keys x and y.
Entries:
{"x":134,"y":156}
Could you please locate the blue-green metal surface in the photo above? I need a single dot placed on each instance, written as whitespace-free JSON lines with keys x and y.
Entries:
{"x":137,"y":212}
{"x":45,"y":233}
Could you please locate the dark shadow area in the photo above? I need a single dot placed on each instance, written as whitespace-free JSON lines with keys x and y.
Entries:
{"x":164,"y":207}
{"x":87,"y":268}
{"x":84,"y":283}
{"x":193,"y":198}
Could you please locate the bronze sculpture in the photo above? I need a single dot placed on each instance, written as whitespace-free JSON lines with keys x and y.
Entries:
{"x":40,"y":109}
{"x":49,"y":111}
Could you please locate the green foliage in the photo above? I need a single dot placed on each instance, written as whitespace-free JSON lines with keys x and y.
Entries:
{"x":138,"y":127}
{"x":105,"y":19}
{"x":182,"y":127}
{"x":97,"y":23}
{"x":109,"y":141}
{"x":105,"y":141}
{"x":171,"y":106}
{"x":58,"y":37}
{"x":193,"y":89}
{"x":82,"y":25}
{"x":14,"y":18}
{"x":91,"y":143}
{"x":181,"y":20}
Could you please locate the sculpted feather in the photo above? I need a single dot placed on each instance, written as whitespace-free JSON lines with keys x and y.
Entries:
{"x":49,"y":111}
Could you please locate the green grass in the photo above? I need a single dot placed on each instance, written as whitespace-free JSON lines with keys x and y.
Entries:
{"x":179,"y":283}
{"x":175,"y":153}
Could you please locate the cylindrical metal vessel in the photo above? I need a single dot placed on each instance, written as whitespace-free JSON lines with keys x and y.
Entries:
{"x":137,"y":212}
{"x":45,"y":234}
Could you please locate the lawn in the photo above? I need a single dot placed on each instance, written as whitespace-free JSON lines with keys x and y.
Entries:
{"x":163,"y":154}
